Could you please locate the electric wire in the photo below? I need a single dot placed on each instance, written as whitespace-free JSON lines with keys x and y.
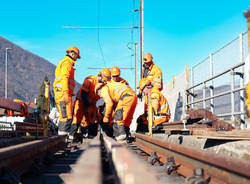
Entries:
{"x":98,"y":31}
{"x":132,"y":34}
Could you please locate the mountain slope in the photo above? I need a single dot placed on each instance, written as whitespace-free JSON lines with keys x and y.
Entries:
{"x":26,"y":72}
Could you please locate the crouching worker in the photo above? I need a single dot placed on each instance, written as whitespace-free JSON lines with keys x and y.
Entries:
{"x":124,"y":99}
{"x":159,"y":104}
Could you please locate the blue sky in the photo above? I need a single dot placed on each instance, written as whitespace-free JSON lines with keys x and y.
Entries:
{"x":177,"y":33}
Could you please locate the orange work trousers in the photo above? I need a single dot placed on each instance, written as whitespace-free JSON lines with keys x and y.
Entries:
{"x":156,"y":122}
{"x":82,"y":115}
{"x":125,"y":109}
{"x":64,"y":107}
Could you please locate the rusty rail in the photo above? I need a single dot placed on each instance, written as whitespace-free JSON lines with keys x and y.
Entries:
{"x":125,"y":167}
{"x":18,"y":159}
{"x":129,"y":168}
{"x":220,"y":169}
{"x":88,"y":168}
{"x":28,"y":127}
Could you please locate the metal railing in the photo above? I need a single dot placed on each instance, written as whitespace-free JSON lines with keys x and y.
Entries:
{"x":217,"y":83}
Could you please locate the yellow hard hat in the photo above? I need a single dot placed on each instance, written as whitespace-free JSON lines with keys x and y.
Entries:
{"x":143,"y":83}
{"x":115,"y":71}
{"x":74,"y":49}
{"x":147,"y":58}
{"x":106,"y":74}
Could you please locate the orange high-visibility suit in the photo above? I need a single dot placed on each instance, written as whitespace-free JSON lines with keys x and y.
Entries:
{"x":85,"y":110}
{"x":160,"y":108}
{"x":154,"y":74}
{"x":64,"y":86}
{"x":124,"y":98}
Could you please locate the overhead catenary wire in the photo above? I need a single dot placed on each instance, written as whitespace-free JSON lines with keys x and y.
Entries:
{"x":132,"y":33}
{"x":98,"y":30}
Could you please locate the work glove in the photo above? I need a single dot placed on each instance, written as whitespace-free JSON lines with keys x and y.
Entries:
{"x":105,"y":126}
{"x":107,"y":129}
{"x":105,"y":119}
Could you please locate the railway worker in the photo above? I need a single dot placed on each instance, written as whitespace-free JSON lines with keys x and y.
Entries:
{"x":85,"y":108}
{"x":115,"y":73}
{"x":124,"y":99}
{"x":64,"y":86}
{"x":159,"y":105}
{"x":152,"y":72}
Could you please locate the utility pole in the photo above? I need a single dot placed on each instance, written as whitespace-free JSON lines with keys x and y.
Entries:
{"x":142,"y":33}
{"x":134,"y":27}
{"x":135,"y":63}
{"x":247,"y":15}
{"x":6,"y":72}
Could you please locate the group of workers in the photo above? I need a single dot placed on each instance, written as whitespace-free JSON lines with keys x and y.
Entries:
{"x":106,"y":99}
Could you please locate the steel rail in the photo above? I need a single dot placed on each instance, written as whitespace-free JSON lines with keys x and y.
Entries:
{"x":28,"y":127}
{"x":129,"y":168}
{"x":124,"y":167}
{"x":18,"y":158}
{"x":220,"y":169}
{"x":88,"y":168}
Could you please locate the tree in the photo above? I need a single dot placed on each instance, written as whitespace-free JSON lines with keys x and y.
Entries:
{"x":41,"y":96}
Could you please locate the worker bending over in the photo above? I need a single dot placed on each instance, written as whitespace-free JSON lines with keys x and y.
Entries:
{"x":115,"y":73}
{"x":152,"y":72}
{"x":64,"y":86}
{"x":85,"y":108}
{"x":159,"y":104}
{"x":124,"y":99}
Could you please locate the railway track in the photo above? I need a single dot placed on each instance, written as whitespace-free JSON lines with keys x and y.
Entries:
{"x":103,"y":160}
{"x":17,"y":159}
{"x":195,"y":165}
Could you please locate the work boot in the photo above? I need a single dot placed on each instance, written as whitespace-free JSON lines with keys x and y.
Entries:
{"x":129,"y":138}
{"x":92,"y":129}
{"x":105,"y":127}
{"x":73,"y":129}
{"x":64,"y":127}
{"x":84,"y":132}
{"x":119,"y":132}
